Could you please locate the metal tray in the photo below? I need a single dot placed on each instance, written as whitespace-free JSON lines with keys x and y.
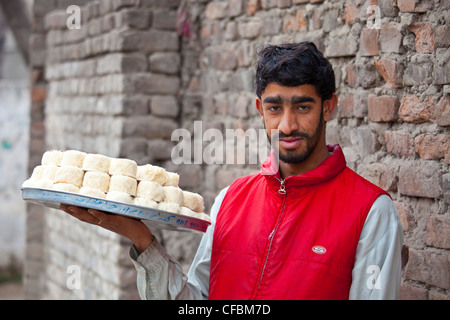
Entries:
{"x":152,"y":217}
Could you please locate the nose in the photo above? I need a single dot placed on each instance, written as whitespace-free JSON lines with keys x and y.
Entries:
{"x":288,"y":123}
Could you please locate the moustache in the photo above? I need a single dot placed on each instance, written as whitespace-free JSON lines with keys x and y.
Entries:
{"x":296,"y":134}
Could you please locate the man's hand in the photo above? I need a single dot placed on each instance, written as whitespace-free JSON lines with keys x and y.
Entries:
{"x":130,"y":228}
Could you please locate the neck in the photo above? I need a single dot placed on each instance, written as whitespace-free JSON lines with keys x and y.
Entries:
{"x":319,"y":154}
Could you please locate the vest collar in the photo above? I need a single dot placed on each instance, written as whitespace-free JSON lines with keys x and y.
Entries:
{"x":328,"y":169}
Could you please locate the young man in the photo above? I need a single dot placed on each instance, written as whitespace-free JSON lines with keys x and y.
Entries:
{"x":313,"y":229}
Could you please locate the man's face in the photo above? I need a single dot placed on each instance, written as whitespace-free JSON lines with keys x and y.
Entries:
{"x":297,"y":113}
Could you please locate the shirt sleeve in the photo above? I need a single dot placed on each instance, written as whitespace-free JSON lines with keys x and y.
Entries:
{"x":160,"y":277}
{"x":376,"y":274}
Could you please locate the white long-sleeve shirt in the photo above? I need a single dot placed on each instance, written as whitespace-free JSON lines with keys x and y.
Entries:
{"x":376,"y":273}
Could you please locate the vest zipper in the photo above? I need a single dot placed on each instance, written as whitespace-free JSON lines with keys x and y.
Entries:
{"x":282,"y":191}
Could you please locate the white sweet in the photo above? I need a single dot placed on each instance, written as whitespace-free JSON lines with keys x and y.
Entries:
{"x":92,"y":192}
{"x":69,"y":174}
{"x":52,"y":157}
{"x":66,"y":187}
{"x":73,"y":158}
{"x":151,"y":190}
{"x":38,"y":172}
{"x":50,"y":172}
{"x":173,"y":179}
{"x":169,"y":206}
{"x":29,"y":183}
{"x":115,"y":179}
{"x":119,"y":197}
{"x":36,"y":177}
{"x":173,"y":194}
{"x":123,"y":184}
{"x":188,"y":212}
{"x":149,"y":172}
{"x":123,"y":167}
{"x":145,"y":202}
{"x":193,"y":201}
{"x":205,"y":217}
{"x":96,"y":163}
{"x":97,"y":180}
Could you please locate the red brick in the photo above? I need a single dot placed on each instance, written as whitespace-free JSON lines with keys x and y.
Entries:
{"x":420,"y":179}
{"x":351,"y":75}
{"x":316,"y":19}
{"x":295,"y":22}
{"x":428,"y":267}
{"x":382,"y":108}
{"x":301,"y":22}
{"x":364,"y":75}
{"x":253,"y":6}
{"x":415,"y":5}
{"x":411,"y":292}
{"x":438,"y":295}
{"x":349,"y":14}
{"x":412,"y":110}
{"x":424,"y":36}
{"x":249,"y":30}
{"x":369,"y":44}
{"x":404,"y":215}
{"x":216,"y":10}
{"x":342,"y":47}
{"x":381,"y":175}
{"x":346,"y":105}
{"x":443,"y":112}
{"x":38,"y":94}
{"x":37,"y":129}
{"x":391,"y":38}
{"x":365,"y":141}
{"x":227,"y":59}
{"x":432,"y":147}
{"x":438,"y":231}
{"x":391,"y":71}
{"x":399,"y":144}
{"x":284,"y":3}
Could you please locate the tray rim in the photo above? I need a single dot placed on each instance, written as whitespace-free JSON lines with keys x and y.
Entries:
{"x":152,"y":217}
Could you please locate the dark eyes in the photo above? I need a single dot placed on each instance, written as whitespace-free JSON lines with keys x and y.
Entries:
{"x":301,"y":108}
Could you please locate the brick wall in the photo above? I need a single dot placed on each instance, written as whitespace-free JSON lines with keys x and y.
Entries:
{"x":109,"y":87}
{"x":393,"y":115}
{"x":122,"y":83}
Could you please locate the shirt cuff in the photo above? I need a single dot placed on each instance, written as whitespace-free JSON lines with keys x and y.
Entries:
{"x":151,"y":259}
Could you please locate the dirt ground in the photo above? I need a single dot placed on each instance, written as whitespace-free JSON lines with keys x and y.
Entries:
{"x":11,"y":291}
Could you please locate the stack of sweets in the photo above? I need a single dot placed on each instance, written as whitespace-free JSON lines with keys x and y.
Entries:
{"x":115,"y":179}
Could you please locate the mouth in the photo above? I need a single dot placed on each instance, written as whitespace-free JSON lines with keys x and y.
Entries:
{"x":290,"y":143}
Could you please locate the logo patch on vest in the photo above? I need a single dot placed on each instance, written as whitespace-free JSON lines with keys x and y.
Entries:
{"x":319,"y":249}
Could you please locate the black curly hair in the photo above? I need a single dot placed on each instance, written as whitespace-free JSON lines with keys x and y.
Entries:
{"x":294,"y":64}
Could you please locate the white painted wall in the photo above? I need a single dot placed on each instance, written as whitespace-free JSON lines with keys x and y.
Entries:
{"x":14,"y":140}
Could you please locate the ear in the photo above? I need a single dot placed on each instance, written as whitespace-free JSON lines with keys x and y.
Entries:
{"x":329,"y":106}
{"x":258,"y":105}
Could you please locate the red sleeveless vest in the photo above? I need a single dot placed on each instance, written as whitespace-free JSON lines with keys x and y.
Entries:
{"x":297,"y":245}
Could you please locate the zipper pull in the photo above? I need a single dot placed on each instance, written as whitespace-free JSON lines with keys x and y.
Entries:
{"x":282,"y":189}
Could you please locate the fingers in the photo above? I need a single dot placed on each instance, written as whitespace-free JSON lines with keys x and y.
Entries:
{"x":101,"y":216}
{"x":83,"y":214}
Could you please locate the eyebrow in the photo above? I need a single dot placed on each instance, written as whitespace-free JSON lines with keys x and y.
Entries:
{"x":294,"y":99}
